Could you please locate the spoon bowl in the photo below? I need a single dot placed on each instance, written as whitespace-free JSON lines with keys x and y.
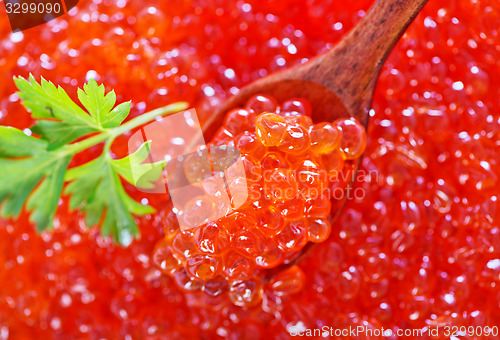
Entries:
{"x":325,"y":104}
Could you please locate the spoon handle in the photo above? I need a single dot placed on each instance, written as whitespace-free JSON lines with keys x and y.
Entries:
{"x":351,"y":68}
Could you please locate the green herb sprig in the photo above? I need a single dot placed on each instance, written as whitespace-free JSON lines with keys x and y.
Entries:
{"x":34,"y":171}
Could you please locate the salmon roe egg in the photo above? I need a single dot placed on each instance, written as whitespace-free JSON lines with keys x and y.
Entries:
{"x":353,"y":137}
{"x":237,"y":121}
{"x":248,"y":143}
{"x":288,"y":282}
{"x":270,"y":129}
{"x":318,"y":230}
{"x":295,"y":140}
{"x":293,"y":236}
{"x":246,"y":293}
{"x":333,"y":162}
{"x":296,"y":107}
{"x":269,"y":219}
{"x":280,"y":185}
{"x":311,"y":178}
{"x":197,"y":166}
{"x":165,"y":259}
{"x":325,"y":137}
{"x":203,"y":267}
{"x":261,"y":103}
{"x":237,"y":266}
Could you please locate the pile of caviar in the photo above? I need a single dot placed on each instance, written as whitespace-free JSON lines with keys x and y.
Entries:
{"x":290,"y":166}
{"x":418,"y":247}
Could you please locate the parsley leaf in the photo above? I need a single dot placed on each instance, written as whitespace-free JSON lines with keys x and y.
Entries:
{"x":60,"y":133}
{"x":21,"y":175}
{"x":96,"y":187}
{"x":35,"y":170}
{"x":133,"y":169}
{"x":65,"y":120}
{"x":100,"y":105}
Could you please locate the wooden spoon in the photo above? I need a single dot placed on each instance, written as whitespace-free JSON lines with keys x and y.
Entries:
{"x":341,"y":81}
{"x":338,"y":83}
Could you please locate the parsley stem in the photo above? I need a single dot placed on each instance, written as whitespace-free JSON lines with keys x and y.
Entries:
{"x":86,"y":143}
{"x":109,"y":136}
{"x":148,"y":117}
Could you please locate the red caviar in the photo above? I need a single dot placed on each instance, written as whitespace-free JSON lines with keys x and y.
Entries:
{"x":417,"y":247}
